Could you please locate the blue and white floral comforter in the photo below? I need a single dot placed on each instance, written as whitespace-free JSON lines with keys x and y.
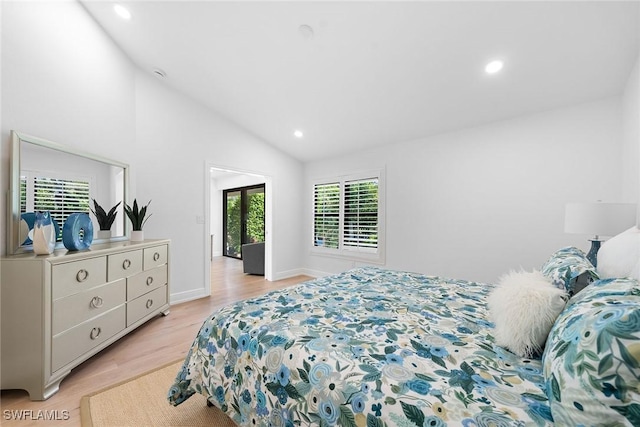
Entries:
{"x":368,"y":347}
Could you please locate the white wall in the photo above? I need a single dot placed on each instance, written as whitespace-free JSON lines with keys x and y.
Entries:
{"x":176,"y":139}
{"x":64,"y":80}
{"x":631,"y":137}
{"x":470,"y":204}
{"x":476,"y":203}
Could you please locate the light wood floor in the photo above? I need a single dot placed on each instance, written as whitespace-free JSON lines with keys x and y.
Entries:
{"x":159,"y":341}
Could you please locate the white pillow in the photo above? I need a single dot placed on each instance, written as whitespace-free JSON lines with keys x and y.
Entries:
{"x":523,"y":308}
{"x":620,"y":256}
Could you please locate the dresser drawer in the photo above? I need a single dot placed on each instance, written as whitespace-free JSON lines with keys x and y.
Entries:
{"x":73,"y":277}
{"x":73,"y":343}
{"x":75,"y":309}
{"x":146,"y":281}
{"x":124,"y":264}
{"x":146,"y":304}
{"x":155,"y":256}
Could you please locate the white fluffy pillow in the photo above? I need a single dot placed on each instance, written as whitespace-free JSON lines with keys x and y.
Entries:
{"x":523,"y":308}
{"x":620,"y":256}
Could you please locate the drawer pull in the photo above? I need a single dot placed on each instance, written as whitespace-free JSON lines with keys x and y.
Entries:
{"x":96,"y":302}
{"x":149,"y":280}
{"x":156,"y":256}
{"x":149,"y":303}
{"x":95,"y":332}
{"x":126,"y":264}
{"x":82,"y":275}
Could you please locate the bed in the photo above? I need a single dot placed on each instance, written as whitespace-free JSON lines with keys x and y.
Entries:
{"x":376,"y":347}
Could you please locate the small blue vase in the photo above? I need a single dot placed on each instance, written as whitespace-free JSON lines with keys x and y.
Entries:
{"x":44,"y":234}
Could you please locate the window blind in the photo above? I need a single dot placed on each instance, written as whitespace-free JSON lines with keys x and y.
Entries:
{"x":23,"y":194}
{"x":61,"y":197}
{"x":360,"y":229}
{"x":326,"y":215}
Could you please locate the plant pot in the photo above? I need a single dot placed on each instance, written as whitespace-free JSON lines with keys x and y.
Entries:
{"x":104,"y":234}
{"x":137,"y":235}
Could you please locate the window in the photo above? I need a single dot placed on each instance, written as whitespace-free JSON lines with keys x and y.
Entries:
{"x":348,"y":217}
{"x":360,"y":228}
{"x":61,"y":197}
{"x":326,"y":218}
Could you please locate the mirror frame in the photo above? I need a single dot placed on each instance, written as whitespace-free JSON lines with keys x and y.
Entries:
{"x":14,"y":245}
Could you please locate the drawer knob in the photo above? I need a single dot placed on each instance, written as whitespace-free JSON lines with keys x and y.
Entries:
{"x":96,"y":302}
{"x":82,"y":275}
{"x":149,"y":303}
{"x":149,"y":280}
{"x":126,"y":264}
{"x":156,"y":256}
{"x":95,"y":332}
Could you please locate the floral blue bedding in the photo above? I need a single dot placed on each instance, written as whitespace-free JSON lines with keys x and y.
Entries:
{"x":368,"y":347}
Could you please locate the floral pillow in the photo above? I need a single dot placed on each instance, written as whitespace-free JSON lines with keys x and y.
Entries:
{"x":592,"y":357}
{"x":570,"y":270}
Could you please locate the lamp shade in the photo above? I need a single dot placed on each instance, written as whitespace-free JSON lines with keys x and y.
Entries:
{"x":599,"y":218}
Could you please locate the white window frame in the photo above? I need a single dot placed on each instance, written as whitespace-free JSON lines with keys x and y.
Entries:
{"x":371,"y":255}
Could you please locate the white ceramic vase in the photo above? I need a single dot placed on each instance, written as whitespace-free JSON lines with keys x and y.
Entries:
{"x":137,"y":235}
{"x":44,"y":234}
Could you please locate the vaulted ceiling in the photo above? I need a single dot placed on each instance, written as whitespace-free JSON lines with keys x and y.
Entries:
{"x":353,"y":75}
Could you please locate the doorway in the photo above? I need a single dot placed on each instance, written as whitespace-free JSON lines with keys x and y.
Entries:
{"x":243,"y":218}
{"x":220,"y":178}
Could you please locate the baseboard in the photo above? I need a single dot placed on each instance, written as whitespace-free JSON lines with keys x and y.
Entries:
{"x":287,"y":274}
{"x":299,"y":272}
{"x":314,"y":273}
{"x":180,"y":297}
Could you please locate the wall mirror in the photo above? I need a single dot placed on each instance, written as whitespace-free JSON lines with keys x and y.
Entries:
{"x":45,"y":175}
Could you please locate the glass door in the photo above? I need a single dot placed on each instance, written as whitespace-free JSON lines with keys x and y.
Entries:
{"x":232,"y":224}
{"x":243,"y":218}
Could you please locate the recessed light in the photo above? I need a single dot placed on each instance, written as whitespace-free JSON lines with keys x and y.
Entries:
{"x":122,"y":11}
{"x":494,"y":66}
{"x":306,"y":31}
{"x":298,"y":134}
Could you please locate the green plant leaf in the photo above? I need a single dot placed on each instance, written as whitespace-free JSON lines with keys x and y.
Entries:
{"x":628,"y":358}
{"x":631,"y":413}
{"x":346,"y":417}
{"x":413,"y":413}
{"x":555,"y":389}
{"x":373,"y":421}
{"x":605,"y":364}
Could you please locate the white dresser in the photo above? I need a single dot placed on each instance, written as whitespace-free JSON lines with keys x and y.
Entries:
{"x":58,"y":310}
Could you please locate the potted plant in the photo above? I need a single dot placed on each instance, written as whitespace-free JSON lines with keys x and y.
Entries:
{"x":137,"y":218}
{"x":105,"y":220}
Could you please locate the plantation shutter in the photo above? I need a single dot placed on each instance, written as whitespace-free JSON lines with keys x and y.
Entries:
{"x":60,"y":197}
{"x":326,"y":215}
{"x":23,"y":194}
{"x":360,"y":229}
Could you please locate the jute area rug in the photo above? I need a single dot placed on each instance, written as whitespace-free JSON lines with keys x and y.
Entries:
{"x":142,"y":401}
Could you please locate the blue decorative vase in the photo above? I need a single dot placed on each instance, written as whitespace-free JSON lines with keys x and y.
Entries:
{"x":44,"y":234}
{"x":77,"y":232}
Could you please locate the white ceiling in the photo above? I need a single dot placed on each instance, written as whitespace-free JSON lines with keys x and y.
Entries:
{"x":376,"y":73}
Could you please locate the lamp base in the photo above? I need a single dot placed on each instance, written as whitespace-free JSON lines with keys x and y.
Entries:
{"x":592,"y":256}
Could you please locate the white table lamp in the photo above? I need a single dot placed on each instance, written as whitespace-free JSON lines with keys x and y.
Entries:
{"x":598,"y":219}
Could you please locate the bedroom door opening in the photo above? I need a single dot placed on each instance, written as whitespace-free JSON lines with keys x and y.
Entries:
{"x":218,"y":179}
